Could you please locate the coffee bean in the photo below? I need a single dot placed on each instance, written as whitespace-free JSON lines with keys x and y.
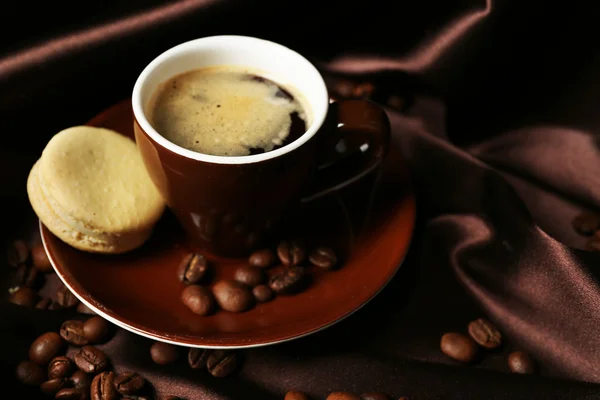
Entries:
{"x":30,"y":373}
{"x":323,"y":257}
{"x":363,"y":90}
{"x":65,"y":298}
{"x":83,"y":309}
{"x":221,"y":363}
{"x":249,"y":275}
{"x":45,"y":348}
{"x":60,"y":367}
{"x":53,"y":386}
{"x":192,"y":269}
{"x":342,"y":396}
{"x":103,"y":387}
{"x":40,"y":258}
{"x":129,"y":382}
{"x":24,"y":296}
{"x":287,"y":282}
{"x":164,"y":353}
{"x":96,"y":329}
{"x":374,"y":396}
{"x":81,"y":380}
{"x":197,"y":358}
{"x":586,"y":224}
{"x":28,"y":276}
{"x":291,"y":253}
{"x":485,"y":333}
{"x":44,"y":304}
{"x":459,"y":347}
{"x":17,"y":253}
{"x":521,"y":362}
{"x":262,"y":293}
{"x":91,"y":360}
{"x":72,"y":332}
{"x":198,"y":299}
{"x":262,"y":258}
{"x":233,"y":296}
{"x":295,"y":396}
{"x":70,"y":394}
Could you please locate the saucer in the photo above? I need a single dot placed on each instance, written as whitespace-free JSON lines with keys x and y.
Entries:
{"x":369,"y":226}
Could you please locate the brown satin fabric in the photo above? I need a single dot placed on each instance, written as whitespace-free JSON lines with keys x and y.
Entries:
{"x":500,"y":134}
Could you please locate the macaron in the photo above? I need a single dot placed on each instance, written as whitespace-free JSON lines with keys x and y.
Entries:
{"x":90,"y":188}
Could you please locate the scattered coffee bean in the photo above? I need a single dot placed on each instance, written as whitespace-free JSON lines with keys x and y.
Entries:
{"x":521,"y":362}
{"x":221,"y":363}
{"x":81,"y":380}
{"x":233,"y":296}
{"x":459,"y":347}
{"x":72,"y":332}
{"x":586,"y":224}
{"x":249,"y":275}
{"x":323,"y":257}
{"x":40,"y":258}
{"x":24,"y":296}
{"x":262,"y":258}
{"x":70,"y":394}
{"x":28,"y":276}
{"x":96,"y":329}
{"x":485,"y":333}
{"x":60,"y":367}
{"x":91,"y":360}
{"x":192,"y":269}
{"x":262,"y":293}
{"x":374,"y":396}
{"x":198,"y":299}
{"x":44,"y":304}
{"x":164,"y":353}
{"x":295,"y":396}
{"x":129,"y":382}
{"x":65,"y":298}
{"x":103,"y":387}
{"x":30,"y":373}
{"x":45,"y":348}
{"x":197,"y":358}
{"x":291,"y":253}
{"x":83,"y":309}
{"x":17,"y":253}
{"x":342,"y":396}
{"x":53,"y":386}
{"x":288,"y":281}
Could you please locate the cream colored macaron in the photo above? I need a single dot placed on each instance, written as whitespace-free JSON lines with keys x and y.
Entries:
{"x":90,"y":188}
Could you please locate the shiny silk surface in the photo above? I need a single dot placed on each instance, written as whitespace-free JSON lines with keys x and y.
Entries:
{"x":493,"y":103}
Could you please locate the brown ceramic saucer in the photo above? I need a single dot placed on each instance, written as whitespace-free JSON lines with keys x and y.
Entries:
{"x":370,"y":226}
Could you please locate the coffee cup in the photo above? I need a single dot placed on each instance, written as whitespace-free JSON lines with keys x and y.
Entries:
{"x":229,"y":205}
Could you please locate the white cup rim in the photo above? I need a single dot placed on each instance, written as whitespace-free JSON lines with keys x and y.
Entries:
{"x":318,"y":113}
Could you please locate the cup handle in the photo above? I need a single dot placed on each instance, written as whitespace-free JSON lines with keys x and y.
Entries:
{"x":359,"y":143}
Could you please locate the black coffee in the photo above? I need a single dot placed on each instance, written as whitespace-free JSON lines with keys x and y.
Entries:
{"x":227,"y":111}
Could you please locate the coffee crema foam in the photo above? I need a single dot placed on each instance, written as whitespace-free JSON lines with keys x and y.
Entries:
{"x":225,"y":111}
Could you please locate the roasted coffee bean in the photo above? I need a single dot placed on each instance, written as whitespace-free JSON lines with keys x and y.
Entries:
{"x":70,"y":394}
{"x":164,"y":353}
{"x":342,"y":396}
{"x":96,"y":329}
{"x":521,"y":362}
{"x":43,"y":304}
{"x":295,"y":396}
{"x":24,"y":296}
{"x":65,"y":298}
{"x":323,"y":257}
{"x":103,"y":387}
{"x":262,"y":258}
{"x":17,"y":253}
{"x":53,"y":386}
{"x":60,"y":367}
{"x":233,"y":296}
{"x":586,"y":224}
{"x":291,"y":253}
{"x":221,"y":363}
{"x":28,"y":276}
{"x":374,"y":396}
{"x":262,"y":293}
{"x":83,"y":309}
{"x":30,"y":373}
{"x":72,"y":332}
{"x":485,"y":333}
{"x":129,"y":382}
{"x":197,"y":357}
{"x":288,"y":281}
{"x":198,"y":299}
{"x":459,"y":347}
{"x":40,"y":258}
{"x":192,"y":269}
{"x":249,"y":275}
{"x":91,"y":360}
{"x":81,"y":380}
{"x":45,"y":348}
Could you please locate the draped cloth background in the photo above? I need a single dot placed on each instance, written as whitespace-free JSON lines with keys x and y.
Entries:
{"x":500,"y":132}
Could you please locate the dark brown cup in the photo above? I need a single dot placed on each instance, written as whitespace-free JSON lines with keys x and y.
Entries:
{"x":230,"y":205}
